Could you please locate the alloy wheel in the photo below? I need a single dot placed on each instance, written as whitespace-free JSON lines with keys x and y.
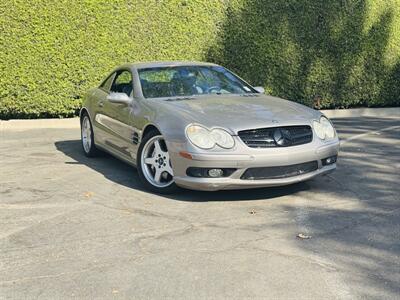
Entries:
{"x":86,"y":134}
{"x":156,"y":164}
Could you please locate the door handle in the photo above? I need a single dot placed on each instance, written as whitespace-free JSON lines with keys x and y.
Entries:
{"x":101,"y":103}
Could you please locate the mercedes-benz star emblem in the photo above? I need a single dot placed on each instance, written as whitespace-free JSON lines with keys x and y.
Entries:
{"x":282,"y":137}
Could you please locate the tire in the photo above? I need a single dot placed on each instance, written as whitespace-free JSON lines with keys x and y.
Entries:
{"x":154,"y":166}
{"x":87,"y":137}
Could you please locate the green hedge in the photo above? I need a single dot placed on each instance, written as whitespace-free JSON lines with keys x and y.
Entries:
{"x":344,"y":52}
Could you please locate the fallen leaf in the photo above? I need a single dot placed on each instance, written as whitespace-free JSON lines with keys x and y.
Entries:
{"x":303,"y":236}
{"x":88,"y":194}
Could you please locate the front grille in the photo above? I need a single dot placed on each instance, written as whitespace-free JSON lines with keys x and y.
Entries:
{"x":277,"y":136}
{"x":279,"y":172}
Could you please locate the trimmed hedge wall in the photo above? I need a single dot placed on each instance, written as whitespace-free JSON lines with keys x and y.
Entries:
{"x":343,"y":52}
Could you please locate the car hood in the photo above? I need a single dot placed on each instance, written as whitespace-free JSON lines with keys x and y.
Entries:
{"x":238,"y":112}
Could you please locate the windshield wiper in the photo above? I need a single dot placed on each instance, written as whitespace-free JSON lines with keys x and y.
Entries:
{"x":250,"y":95}
{"x":181,"y":98}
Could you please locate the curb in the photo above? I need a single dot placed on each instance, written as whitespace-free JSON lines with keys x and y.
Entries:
{"x":385,"y":112}
{"x":19,"y":125}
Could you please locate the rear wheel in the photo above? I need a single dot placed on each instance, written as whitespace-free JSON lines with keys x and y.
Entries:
{"x":87,"y":137}
{"x":154,"y":164}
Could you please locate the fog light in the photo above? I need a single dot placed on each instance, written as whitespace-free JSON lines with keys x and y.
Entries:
{"x":329,"y":160}
{"x":215,"y":173}
{"x":209,"y":172}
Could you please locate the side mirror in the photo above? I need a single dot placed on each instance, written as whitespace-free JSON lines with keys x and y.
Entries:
{"x":259,"y":89}
{"x":120,"y":98}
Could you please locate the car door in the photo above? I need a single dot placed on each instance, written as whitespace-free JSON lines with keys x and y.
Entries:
{"x":101,"y":132}
{"x":116,"y":118}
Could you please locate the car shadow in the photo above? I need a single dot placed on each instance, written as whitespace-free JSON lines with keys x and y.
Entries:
{"x":126,"y":175}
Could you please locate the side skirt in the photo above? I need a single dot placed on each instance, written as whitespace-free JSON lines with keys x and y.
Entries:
{"x":124,"y":158}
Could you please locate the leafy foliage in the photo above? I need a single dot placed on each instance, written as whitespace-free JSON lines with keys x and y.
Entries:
{"x":344,"y":51}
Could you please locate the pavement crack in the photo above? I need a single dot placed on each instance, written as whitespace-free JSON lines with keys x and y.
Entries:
{"x":51,"y":275}
{"x":143,"y":212}
{"x":344,"y":186}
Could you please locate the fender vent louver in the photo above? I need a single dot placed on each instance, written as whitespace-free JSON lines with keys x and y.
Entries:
{"x":135,"y":138}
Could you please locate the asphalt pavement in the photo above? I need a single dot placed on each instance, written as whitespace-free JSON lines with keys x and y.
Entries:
{"x":74,"y":227}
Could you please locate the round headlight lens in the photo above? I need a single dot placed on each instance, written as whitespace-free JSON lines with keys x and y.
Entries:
{"x":324,"y":129}
{"x":319,"y":130}
{"x":328,"y":128}
{"x":222,"y":138}
{"x":200,"y":137}
{"x":207,"y":139}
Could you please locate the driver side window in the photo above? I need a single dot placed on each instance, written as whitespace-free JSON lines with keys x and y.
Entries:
{"x":123,"y":83}
{"x":106,"y":85}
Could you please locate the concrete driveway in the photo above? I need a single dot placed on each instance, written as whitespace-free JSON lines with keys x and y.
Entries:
{"x":72,"y":227}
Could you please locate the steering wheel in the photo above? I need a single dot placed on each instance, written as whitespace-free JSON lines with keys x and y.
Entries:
{"x":211,"y":88}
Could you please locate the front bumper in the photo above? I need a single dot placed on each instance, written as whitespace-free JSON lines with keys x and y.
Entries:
{"x":256,"y":158}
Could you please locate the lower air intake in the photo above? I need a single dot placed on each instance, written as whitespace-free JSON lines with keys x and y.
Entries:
{"x":279,"y":172}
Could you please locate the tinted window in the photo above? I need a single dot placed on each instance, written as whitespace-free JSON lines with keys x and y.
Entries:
{"x":190,"y":80}
{"x":106,"y":85}
{"x":123,"y":83}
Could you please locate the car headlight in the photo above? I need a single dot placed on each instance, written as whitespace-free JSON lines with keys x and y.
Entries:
{"x":207,"y":139}
{"x":200,"y":137}
{"x":324,"y":129}
{"x":222,"y":138}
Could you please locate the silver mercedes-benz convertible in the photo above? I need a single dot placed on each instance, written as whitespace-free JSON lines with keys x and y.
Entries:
{"x":200,"y":126}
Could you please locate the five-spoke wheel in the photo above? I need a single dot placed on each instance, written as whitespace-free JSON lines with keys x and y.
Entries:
{"x":154,"y":164}
{"x":87,"y":136}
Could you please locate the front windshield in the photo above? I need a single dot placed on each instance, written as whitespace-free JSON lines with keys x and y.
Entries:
{"x":182,"y":81}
